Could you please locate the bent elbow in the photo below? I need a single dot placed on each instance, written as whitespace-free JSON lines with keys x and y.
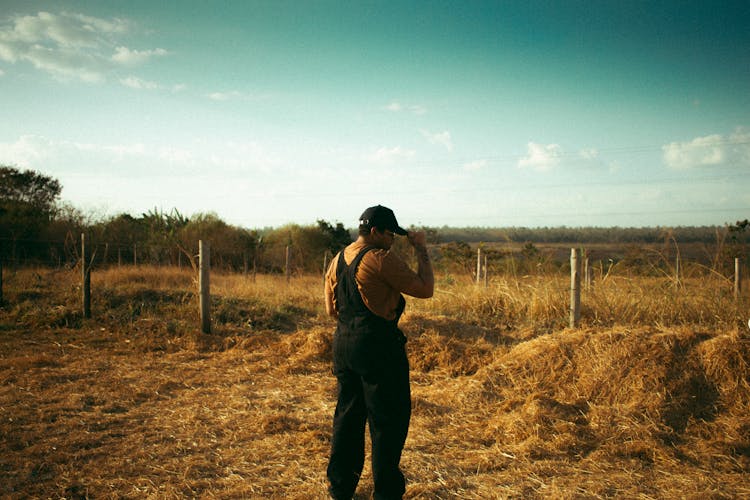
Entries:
{"x":420,"y":289}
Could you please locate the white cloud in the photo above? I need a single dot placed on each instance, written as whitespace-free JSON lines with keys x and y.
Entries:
{"x":236,"y":95}
{"x":225,"y":96}
{"x":137,"y":159}
{"x":137,"y":83}
{"x":707,"y":151}
{"x":545,"y":157}
{"x":65,"y":29}
{"x":740,"y":140}
{"x":7,"y":51}
{"x":397,"y":107}
{"x":70,"y":46}
{"x":541,"y":157}
{"x":124,"y":55}
{"x":113,"y":152}
{"x":390,"y":155}
{"x":26,"y":152}
{"x":394,"y":106}
{"x":35,"y":152}
{"x":441,"y":138}
{"x":66,"y":64}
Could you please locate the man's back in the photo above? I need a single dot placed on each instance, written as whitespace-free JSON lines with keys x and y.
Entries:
{"x":381,"y":277}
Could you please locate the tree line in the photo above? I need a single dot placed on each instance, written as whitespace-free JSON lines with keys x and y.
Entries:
{"x":36,"y":228}
{"x":563,"y":234}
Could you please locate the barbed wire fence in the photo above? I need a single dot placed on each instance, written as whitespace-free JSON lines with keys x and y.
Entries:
{"x":73,"y":253}
{"x":25,"y":253}
{"x":492,"y":259}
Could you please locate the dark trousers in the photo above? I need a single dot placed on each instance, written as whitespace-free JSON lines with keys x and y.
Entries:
{"x":373,"y":387}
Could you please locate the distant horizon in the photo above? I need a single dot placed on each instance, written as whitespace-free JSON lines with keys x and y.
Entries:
{"x":353,"y":228}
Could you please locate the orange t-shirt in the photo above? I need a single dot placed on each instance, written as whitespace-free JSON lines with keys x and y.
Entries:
{"x":381,"y":277}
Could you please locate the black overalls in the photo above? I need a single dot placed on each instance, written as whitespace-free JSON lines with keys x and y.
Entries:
{"x":370,"y":364}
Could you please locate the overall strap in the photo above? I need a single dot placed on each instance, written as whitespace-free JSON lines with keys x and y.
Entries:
{"x":351,"y":269}
{"x":348,"y":297}
{"x":354,"y":265}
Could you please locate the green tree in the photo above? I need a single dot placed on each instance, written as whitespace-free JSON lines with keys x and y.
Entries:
{"x":308,"y":245}
{"x":63,"y":234}
{"x":231,"y":247}
{"x":27,"y":204}
{"x":738,"y":234}
{"x":338,"y":237}
{"x":125,"y":234}
{"x":162,"y":234}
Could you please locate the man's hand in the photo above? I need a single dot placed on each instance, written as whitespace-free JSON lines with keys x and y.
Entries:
{"x":417,"y":238}
{"x":423,"y":285}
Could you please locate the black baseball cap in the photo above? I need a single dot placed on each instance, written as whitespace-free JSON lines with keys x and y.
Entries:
{"x":382,"y":218}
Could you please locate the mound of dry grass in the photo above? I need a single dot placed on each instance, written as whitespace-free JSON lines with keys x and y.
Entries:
{"x":507,"y":402}
{"x":609,"y":381}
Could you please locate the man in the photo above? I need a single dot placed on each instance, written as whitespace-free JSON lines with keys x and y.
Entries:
{"x":363,"y":288}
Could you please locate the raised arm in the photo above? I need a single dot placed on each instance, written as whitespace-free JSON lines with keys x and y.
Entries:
{"x":423,"y":285}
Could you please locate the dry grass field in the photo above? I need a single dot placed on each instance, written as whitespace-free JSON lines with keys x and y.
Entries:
{"x":649,"y":398}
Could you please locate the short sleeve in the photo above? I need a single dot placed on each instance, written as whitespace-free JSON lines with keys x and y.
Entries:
{"x":396,"y":273}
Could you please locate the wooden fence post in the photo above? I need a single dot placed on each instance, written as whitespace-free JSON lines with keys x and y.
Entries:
{"x":85,"y":278}
{"x":587,"y":273}
{"x":479,"y":265}
{"x":737,"y":278}
{"x":204,"y":265}
{"x":575,"y":289}
{"x":486,"y":274}
{"x":135,"y":254}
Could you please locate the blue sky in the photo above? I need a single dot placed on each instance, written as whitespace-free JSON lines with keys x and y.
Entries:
{"x":460,"y":113}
